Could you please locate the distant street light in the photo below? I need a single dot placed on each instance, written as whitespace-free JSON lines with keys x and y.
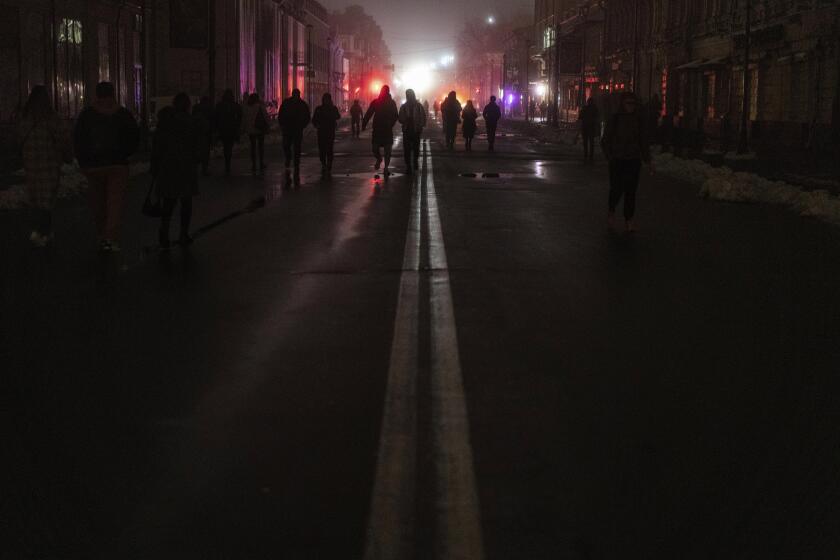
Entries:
{"x":491,"y":20}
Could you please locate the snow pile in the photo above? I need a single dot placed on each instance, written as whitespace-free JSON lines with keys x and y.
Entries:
{"x":721,"y":183}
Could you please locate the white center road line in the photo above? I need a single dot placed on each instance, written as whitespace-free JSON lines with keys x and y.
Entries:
{"x":392,"y":525}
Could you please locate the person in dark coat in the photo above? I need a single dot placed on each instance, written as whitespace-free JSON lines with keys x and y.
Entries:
{"x":203,"y":112}
{"x":105,"y":136}
{"x":293,"y":117}
{"x":228,"y":124}
{"x":469,"y":116}
{"x":255,"y":124}
{"x":176,"y":152}
{"x":383,"y":111}
{"x":436,"y":107}
{"x":590,"y":128}
{"x":325,"y":120}
{"x":356,"y":119}
{"x":450,"y":111}
{"x":413,"y":120}
{"x":625,"y":146}
{"x":492,"y":114}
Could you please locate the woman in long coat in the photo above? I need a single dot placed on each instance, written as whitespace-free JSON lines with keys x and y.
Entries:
{"x":176,"y":153}
{"x":469,"y":116}
{"x":46,"y":145}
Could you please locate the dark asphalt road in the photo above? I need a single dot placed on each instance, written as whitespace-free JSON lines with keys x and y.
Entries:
{"x":667,"y":395}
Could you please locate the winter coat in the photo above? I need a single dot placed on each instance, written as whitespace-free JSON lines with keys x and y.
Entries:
{"x":293,"y":116}
{"x":176,"y":151}
{"x":590,"y":121}
{"x":384,"y":112}
{"x":325,"y":119}
{"x":356,"y":112}
{"x":469,"y":116}
{"x":492,"y":114}
{"x":451,"y":109}
{"x":412,"y":117}
{"x":46,"y":145}
{"x":625,"y":138}
{"x":249,"y":119}
{"x":106,"y":134}
{"x":228,"y":120}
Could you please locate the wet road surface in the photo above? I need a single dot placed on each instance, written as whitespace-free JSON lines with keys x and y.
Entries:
{"x":463,"y":363}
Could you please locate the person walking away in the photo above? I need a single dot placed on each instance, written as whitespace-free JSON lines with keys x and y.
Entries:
{"x":228,"y":124}
{"x":625,"y":146}
{"x":177,"y":149}
{"x":450,"y":111}
{"x":413,"y":119}
{"x":293,"y":117}
{"x":356,"y":119}
{"x":106,"y":134}
{"x":492,"y":114}
{"x":469,"y":116}
{"x":436,"y":106}
{"x":590,"y":128}
{"x":255,"y":124}
{"x":383,"y":111}
{"x":426,"y":106}
{"x":203,"y":113}
{"x":325,"y":120}
{"x":45,"y":145}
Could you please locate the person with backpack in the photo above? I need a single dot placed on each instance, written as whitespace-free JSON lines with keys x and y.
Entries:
{"x":383,"y":111}
{"x":492,"y":115}
{"x":293,"y":117}
{"x":177,"y":150}
{"x":228,"y":124}
{"x":412,"y":116}
{"x":356,"y":119}
{"x":256,"y":125}
{"x":106,"y":134}
{"x":325,"y":120}
{"x":45,"y":145}
{"x":625,"y":146}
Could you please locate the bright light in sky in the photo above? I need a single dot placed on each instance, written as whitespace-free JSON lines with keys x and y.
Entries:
{"x":491,"y":20}
{"x":419,"y":78}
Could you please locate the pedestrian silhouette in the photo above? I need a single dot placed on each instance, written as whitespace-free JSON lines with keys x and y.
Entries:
{"x":590,"y":128}
{"x":203,"y":112}
{"x":413,"y":119}
{"x":106,"y":134}
{"x":177,"y":149}
{"x":45,"y":145}
{"x":356,"y":119}
{"x":325,"y":120}
{"x":450,"y":111}
{"x":469,"y":116}
{"x":625,"y":146}
{"x":293,"y":117}
{"x":256,"y":125}
{"x":383,"y":111}
{"x":228,"y":124}
{"x":437,"y":108}
{"x":425,"y":105}
{"x":492,"y":114}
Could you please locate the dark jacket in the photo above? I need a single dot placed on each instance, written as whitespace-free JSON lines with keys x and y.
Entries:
{"x":105,"y":134}
{"x":492,"y":114}
{"x":356,"y":112}
{"x":293,"y":116}
{"x":228,"y":120}
{"x":590,"y":120}
{"x":385,"y":115}
{"x":625,"y":137}
{"x":450,"y":110}
{"x":326,"y":118}
{"x":469,"y":115}
{"x":176,"y":149}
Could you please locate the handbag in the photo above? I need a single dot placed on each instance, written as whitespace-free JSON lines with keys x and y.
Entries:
{"x":152,"y":208}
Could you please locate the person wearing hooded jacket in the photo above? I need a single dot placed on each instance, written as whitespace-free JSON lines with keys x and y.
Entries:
{"x":293,"y":117}
{"x":106,"y":134}
{"x":383,"y":111}
{"x":450,"y":111}
{"x":413,"y":119}
{"x":325,"y":120}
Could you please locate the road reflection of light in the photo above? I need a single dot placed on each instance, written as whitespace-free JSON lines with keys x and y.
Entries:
{"x":539,"y":170}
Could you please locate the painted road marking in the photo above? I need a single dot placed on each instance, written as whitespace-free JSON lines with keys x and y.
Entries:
{"x":392,"y":526}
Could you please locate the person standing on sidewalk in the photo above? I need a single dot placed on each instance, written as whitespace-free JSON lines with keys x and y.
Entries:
{"x":255,"y":124}
{"x":293,"y":116}
{"x":325,"y":120}
{"x":590,"y":128}
{"x":625,"y":146}
{"x":492,"y":115}
{"x":383,"y":111}
{"x":450,"y":111}
{"x":356,"y":118}
{"x":413,"y":119}
{"x":45,"y":144}
{"x":106,"y":135}
{"x":176,"y":152}
{"x":469,"y":116}
{"x":203,"y":112}
{"x":228,"y":124}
